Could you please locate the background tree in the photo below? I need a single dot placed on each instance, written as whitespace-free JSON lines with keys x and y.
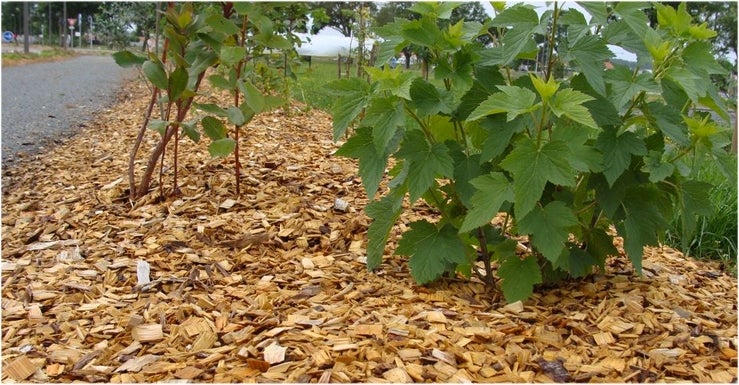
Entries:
{"x":116,"y":21}
{"x":341,"y":16}
{"x":392,"y":10}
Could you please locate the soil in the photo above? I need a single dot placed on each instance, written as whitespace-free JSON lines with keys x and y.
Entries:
{"x":271,"y":286}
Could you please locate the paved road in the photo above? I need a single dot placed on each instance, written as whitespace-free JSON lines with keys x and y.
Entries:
{"x":43,"y":103}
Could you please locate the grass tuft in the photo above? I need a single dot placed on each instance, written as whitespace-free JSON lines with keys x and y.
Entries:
{"x":716,"y":234}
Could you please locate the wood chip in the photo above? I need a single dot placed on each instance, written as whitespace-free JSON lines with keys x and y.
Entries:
{"x":278,"y":275}
{"x":19,"y":368}
{"x":188,"y":373}
{"x":274,"y":354}
{"x":397,"y":375}
{"x":147,"y":333}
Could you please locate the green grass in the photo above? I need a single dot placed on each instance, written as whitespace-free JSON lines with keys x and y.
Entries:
{"x":716,"y":234}
{"x":311,"y":87}
{"x":46,"y":54}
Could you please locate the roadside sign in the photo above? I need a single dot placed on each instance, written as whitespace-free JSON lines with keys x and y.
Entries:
{"x":71,"y":22}
{"x":8,"y":36}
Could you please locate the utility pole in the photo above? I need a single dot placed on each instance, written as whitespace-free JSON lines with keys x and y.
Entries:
{"x":26,"y":30}
{"x":64,"y":23}
{"x":48,"y":10}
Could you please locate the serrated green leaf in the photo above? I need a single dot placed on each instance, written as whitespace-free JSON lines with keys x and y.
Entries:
{"x":669,"y":121}
{"x":716,"y":103}
{"x":221,"y":147}
{"x":459,"y":70}
{"x":517,"y":14}
{"x":423,"y":32}
{"x":487,"y":78}
{"x":701,"y":128}
{"x":230,"y":55}
{"x":701,"y":32}
{"x":521,"y":21}
{"x":128,"y":59}
{"x":677,"y":21}
{"x":644,"y":220}
{"x":430,"y":250}
{"x":657,"y":170}
{"x":673,"y":93}
{"x":385,"y":116}
{"x":499,"y":136}
{"x":601,"y":109}
{"x":395,"y":81}
{"x":214,"y":128}
{"x":577,"y":262}
{"x":353,"y":97}
{"x":600,"y":245}
{"x":617,"y":151}
{"x":441,"y":128}
{"x":549,"y":228}
{"x":384,"y":213}
{"x":434,"y":10}
{"x":624,"y":86}
{"x":532,"y":167}
{"x":692,"y":84}
{"x":371,"y":163}
{"x":388,"y":49}
{"x":429,"y":100}
{"x":426,"y":162}
{"x":519,"y":277}
{"x":632,"y":14}
{"x":597,"y":10}
{"x":512,"y":100}
{"x":590,"y":53}
{"x":577,"y":26}
{"x":155,"y":73}
{"x":583,"y":157}
{"x":568,"y":102}
{"x":491,"y":191}
{"x":545,"y":88}
{"x":466,"y":168}
{"x":698,"y":57}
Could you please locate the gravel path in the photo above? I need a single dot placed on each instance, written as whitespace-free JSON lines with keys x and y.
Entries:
{"x":44,"y":103}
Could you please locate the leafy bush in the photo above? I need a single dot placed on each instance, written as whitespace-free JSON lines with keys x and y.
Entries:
{"x":223,"y":37}
{"x":564,"y":159}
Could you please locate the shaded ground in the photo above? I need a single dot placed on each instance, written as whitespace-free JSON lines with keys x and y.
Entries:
{"x":272,"y":286}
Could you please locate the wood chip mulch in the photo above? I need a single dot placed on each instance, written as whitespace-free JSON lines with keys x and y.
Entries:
{"x":272,"y":286}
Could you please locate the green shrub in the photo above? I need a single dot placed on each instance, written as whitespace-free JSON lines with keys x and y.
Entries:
{"x":564,"y":159}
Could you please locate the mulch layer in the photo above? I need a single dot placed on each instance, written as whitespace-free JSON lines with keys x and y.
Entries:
{"x":272,"y":286}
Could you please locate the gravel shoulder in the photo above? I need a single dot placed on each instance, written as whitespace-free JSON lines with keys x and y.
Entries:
{"x":43,"y":104}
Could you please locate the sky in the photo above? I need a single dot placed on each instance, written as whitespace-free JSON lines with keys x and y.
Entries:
{"x":330,"y":42}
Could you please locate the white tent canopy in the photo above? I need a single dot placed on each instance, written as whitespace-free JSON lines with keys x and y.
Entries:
{"x":328,"y":43}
